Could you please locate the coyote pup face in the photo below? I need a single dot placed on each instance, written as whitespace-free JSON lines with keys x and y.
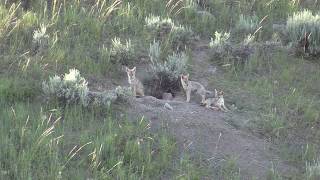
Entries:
{"x":184,"y":80}
{"x":134,"y":82}
{"x":131,"y":74}
{"x":216,"y":103}
{"x":192,"y":86}
{"x":220,"y":94}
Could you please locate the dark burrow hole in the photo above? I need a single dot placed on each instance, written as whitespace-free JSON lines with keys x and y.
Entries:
{"x":156,"y":87}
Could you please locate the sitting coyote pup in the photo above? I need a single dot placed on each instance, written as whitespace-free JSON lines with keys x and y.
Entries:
{"x":134,"y":82}
{"x":217,"y":102}
{"x":190,"y":86}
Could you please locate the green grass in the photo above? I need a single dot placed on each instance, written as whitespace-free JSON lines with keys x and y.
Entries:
{"x":18,"y":89}
{"x":35,"y":143}
{"x":229,"y":169}
{"x":278,"y":95}
{"x":49,"y":142}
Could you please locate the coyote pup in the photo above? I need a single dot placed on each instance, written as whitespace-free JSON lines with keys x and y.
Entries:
{"x":217,"y":102}
{"x":134,"y":82}
{"x":190,"y":86}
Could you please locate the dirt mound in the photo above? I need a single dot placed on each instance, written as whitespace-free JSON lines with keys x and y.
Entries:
{"x":207,"y":133}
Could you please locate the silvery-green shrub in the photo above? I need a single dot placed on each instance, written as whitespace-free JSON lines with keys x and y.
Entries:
{"x":71,"y":88}
{"x":181,"y":36}
{"x":161,"y":28}
{"x":164,"y":70}
{"x":220,"y":40}
{"x":122,"y":53}
{"x":220,"y":45}
{"x":123,"y":93}
{"x":168,"y":69}
{"x":40,"y":39}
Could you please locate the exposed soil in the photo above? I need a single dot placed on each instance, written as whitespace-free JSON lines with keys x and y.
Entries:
{"x":206,"y":132}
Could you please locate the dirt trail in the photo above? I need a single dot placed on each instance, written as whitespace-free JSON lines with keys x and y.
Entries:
{"x":206,"y":132}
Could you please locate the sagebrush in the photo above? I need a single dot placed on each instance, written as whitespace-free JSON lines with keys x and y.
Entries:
{"x":163,"y":29}
{"x":122,"y":53}
{"x":71,"y":88}
{"x":165,"y":72}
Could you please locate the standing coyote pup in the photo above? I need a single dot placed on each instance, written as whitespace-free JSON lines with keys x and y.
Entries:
{"x":190,"y":86}
{"x":134,"y":82}
{"x":217,"y":102}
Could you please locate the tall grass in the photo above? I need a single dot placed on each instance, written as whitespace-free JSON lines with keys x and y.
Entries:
{"x":305,"y":22}
{"x":278,"y":94}
{"x":90,"y":144}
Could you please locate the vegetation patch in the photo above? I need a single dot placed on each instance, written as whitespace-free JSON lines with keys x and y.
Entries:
{"x":303,"y":29}
{"x":164,"y":29}
{"x":165,"y":72}
{"x":278,"y":93}
{"x":278,"y":98}
{"x":35,"y":144}
{"x":122,"y":53}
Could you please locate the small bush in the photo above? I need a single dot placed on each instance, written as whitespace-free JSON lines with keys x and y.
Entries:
{"x":161,"y":29}
{"x":72,"y":88}
{"x":223,"y":52}
{"x":122,"y":53}
{"x":102,"y":99}
{"x":180,"y":36}
{"x":107,"y":97}
{"x":40,"y":34}
{"x":123,"y":92}
{"x":40,"y":39}
{"x":221,"y":39}
{"x":305,"y":22}
{"x":171,"y":68}
{"x":174,"y":66}
{"x":165,"y":73}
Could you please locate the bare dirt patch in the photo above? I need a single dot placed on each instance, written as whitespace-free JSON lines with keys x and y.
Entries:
{"x":205,"y":132}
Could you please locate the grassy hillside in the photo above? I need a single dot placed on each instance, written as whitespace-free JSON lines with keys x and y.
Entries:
{"x":279,"y":91}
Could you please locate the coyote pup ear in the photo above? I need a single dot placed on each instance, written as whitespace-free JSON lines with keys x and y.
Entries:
{"x":127,"y":69}
{"x":134,"y":69}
